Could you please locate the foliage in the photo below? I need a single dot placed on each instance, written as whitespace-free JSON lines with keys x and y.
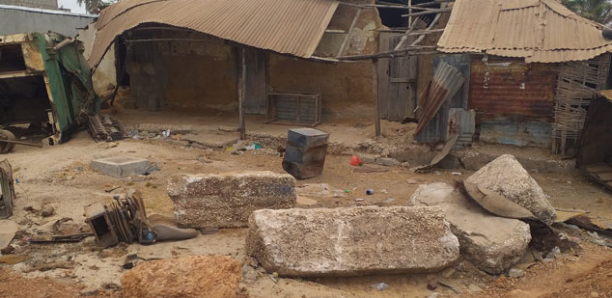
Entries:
{"x":596,"y":10}
{"x":95,"y":6}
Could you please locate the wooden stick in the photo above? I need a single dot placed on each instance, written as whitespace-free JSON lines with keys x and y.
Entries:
{"x":376,"y":99}
{"x":430,"y":27}
{"x":242,"y":93}
{"x":439,"y":10}
{"x":350,"y":32}
{"x":405,"y":36}
{"x":389,"y":54}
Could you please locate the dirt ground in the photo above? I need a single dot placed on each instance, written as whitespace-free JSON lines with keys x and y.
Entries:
{"x":61,"y":176}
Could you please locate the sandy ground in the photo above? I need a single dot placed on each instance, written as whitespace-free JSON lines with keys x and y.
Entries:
{"x":60,"y":175}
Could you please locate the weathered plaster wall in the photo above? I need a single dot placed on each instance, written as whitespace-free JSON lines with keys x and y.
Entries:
{"x":15,"y":20}
{"x":340,"y":85}
{"x":201,"y":77}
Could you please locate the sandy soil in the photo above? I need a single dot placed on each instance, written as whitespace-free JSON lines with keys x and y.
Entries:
{"x":61,"y":176}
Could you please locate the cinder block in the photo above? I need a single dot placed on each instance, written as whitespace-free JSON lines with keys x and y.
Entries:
{"x":121,"y":166}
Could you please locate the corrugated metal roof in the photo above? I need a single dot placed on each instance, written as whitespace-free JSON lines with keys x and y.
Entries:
{"x":537,"y":30}
{"x":286,"y":26}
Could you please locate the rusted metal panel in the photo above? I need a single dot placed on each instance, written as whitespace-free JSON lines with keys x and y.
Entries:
{"x":507,"y":86}
{"x":284,"y":26}
{"x":437,"y":129}
{"x":447,"y":80}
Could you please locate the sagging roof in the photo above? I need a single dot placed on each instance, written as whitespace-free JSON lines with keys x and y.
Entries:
{"x":285,"y":26}
{"x":537,"y":30}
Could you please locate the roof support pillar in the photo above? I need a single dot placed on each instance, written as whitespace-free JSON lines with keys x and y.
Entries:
{"x":242,"y":92}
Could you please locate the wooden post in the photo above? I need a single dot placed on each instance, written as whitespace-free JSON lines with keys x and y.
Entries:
{"x":376,"y":99}
{"x":410,"y":12}
{"x":242,"y":92}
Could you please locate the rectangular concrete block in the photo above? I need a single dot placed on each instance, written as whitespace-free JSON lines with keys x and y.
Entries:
{"x":351,"y":241}
{"x":227,"y":200}
{"x":121,"y":166}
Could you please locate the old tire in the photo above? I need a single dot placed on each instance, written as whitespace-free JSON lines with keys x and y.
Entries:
{"x":6,"y":147}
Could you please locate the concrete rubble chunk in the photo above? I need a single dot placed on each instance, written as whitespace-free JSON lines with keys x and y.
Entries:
{"x":493,"y":244}
{"x":187,"y":277}
{"x":227,"y":200}
{"x":352,"y":241}
{"x":121,"y":166}
{"x":507,"y":177}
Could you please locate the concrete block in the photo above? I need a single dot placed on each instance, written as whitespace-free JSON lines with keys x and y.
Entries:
{"x":494,"y":244}
{"x":351,"y":241}
{"x":227,"y":200}
{"x":121,"y":166}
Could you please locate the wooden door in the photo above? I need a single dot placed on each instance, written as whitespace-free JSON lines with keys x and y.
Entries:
{"x":396,"y":81}
{"x":256,"y":99}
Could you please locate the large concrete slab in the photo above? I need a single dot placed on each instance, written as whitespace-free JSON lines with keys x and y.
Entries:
{"x":494,"y":244}
{"x":506,"y":179}
{"x":227,"y":200}
{"x":351,"y":241}
{"x":121,"y":166}
{"x":187,"y":277}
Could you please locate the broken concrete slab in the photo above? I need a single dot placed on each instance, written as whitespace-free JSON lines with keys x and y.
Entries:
{"x":506,"y":176}
{"x":8,"y":228}
{"x":352,"y":241}
{"x":121,"y":166}
{"x":227,"y":200}
{"x":494,"y":244}
{"x":187,"y":277}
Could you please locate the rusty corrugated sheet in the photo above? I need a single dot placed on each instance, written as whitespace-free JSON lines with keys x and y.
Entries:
{"x":445,"y":83}
{"x":507,"y":86}
{"x":538,"y":30}
{"x":284,"y":26}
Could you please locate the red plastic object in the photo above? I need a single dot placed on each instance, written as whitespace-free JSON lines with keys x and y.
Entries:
{"x":356,"y":161}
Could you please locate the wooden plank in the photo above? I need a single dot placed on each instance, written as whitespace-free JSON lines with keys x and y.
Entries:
{"x":376,"y":100}
{"x":600,"y":168}
{"x":242,"y":93}
{"x":383,"y":76}
{"x":605,"y":176}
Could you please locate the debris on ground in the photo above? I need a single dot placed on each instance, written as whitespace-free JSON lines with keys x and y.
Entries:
{"x":494,"y":244}
{"x":62,"y":230}
{"x":8,"y":189}
{"x":105,"y":128}
{"x":227,"y":200}
{"x":305,"y":152}
{"x":325,"y":242}
{"x":186,"y":277}
{"x":7,"y":232}
{"x":507,"y":178}
{"x":125,"y":220}
{"x":47,"y":210}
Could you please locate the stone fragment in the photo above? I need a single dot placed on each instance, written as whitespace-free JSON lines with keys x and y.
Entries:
{"x":47,"y":210}
{"x":507,"y":177}
{"x":516,"y":273}
{"x":388,"y":162}
{"x":187,"y":277}
{"x":227,"y":200}
{"x":494,"y":244}
{"x":351,"y":241}
{"x":121,"y":166}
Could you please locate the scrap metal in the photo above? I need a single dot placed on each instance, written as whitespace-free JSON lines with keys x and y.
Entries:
{"x":447,"y":80}
{"x":8,"y":189}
